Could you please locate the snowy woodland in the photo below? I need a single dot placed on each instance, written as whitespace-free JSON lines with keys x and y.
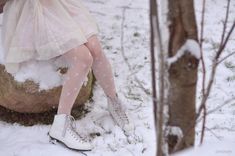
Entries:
{"x":126,"y":40}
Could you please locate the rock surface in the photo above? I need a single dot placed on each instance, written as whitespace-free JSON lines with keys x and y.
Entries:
{"x":20,"y":101}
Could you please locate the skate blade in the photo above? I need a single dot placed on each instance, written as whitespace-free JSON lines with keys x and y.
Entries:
{"x":53,"y":141}
{"x":56,"y":141}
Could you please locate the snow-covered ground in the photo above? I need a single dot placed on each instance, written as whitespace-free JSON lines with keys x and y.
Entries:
{"x":124,"y":33}
{"x":221,"y":123}
{"x":124,"y":26}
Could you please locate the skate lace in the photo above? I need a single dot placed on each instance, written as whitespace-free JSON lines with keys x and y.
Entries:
{"x":70,"y":123}
{"x":119,"y":110}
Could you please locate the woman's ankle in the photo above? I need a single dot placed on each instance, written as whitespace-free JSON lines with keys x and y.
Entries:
{"x":113,"y":96}
{"x":63,"y":112}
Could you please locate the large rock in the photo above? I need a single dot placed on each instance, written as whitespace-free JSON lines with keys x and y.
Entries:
{"x":19,"y":101}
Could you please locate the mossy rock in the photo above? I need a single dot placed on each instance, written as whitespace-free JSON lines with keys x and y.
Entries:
{"x":24,"y":104}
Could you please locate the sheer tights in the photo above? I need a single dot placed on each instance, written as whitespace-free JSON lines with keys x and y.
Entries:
{"x":82,"y":58}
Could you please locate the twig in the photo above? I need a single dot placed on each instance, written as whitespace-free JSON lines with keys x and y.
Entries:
{"x":223,"y":128}
{"x":123,"y":51}
{"x":214,"y":67}
{"x":201,"y":41}
{"x":225,"y":22}
{"x":213,"y":133}
{"x":225,"y":57}
{"x":225,"y":103}
{"x":198,"y":120}
{"x":225,"y":41}
{"x":153,"y":14}
{"x":203,"y":66}
{"x":159,"y":45}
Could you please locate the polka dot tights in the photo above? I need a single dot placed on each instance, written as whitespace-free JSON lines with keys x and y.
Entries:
{"x":81,"y":59}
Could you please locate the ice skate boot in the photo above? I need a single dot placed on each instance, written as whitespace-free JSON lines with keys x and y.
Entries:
{"x":119,"y":115}
{"x":63,"y":130}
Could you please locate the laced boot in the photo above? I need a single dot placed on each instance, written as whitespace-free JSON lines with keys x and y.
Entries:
{"x":63,"y":130}
{"x":119,"y":115}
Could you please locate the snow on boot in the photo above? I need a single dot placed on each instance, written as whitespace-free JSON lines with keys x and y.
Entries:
{"x":119,"y":115}
{"x":63,"y":130}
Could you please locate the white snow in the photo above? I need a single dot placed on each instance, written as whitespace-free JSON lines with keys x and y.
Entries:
{"x":164,"y":23}
{"x":33,"y":141}
{"x":223,"y":148}
{"x":17,"y":140}
{"x":191,"y":46}
{"x":43,"y":73}
{"x":36,"y":71}
{"x":173,"y":130}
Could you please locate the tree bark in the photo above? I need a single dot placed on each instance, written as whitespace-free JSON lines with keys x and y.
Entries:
{"x":183,"y":73}
{"x":2,"y":3}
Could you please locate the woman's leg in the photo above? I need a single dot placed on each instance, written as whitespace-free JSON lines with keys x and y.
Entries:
{"x":101,"y":66}
{"x":81,"y":61}
{"x":63,"y":128}
{"x":103,"y":73}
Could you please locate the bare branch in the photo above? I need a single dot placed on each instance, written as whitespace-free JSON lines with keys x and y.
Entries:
{"x":201,"y":46}
{"x":222,"y":105}
{"x":203,"y":66}
{"x":153,"y":13}
{"x":225,"y":41}
{"x":225,"y":22}
{"x":157,"y":43}
{"x":214,"y":67}
{"x":199,"y":119}
{"x":210,"y":130}
{"x":226,"y":57}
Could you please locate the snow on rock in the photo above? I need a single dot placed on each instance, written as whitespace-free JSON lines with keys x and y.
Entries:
{"x":97,"y":125}
{"x":191,"y":46}
{"x":41,"y":72}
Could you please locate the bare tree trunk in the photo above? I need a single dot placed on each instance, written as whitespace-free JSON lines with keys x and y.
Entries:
{"x":182,"y":73}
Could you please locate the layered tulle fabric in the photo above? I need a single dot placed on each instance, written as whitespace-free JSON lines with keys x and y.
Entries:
{"x":43,"y":29}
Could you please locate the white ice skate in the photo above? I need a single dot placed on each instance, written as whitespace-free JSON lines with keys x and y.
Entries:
{"x":63,"y":130}
{"x":119,"y":115}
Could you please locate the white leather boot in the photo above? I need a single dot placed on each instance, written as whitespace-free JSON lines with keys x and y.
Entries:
{"x":63,"y":130}
{"x":119,"y":115}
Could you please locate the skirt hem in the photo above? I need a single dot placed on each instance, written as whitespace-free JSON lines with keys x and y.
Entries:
{"x":13,"y":65}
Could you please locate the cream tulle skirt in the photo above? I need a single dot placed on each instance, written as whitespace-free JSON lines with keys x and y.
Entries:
{"x":43,"y":29}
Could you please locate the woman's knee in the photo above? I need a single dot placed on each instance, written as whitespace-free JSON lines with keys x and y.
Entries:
{"x":80,"y":55}
{"x":83,"y":54}
{"x":94,"y":46}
